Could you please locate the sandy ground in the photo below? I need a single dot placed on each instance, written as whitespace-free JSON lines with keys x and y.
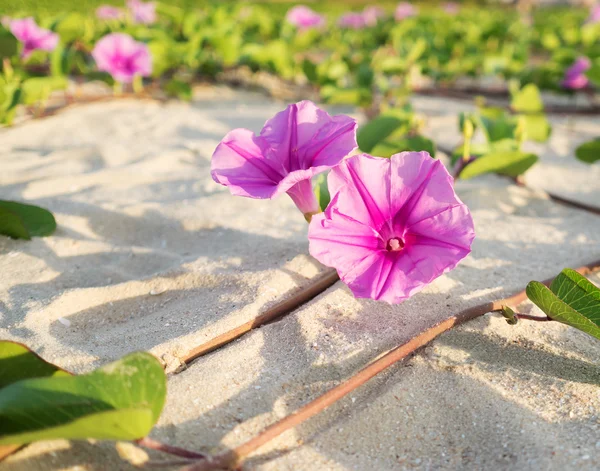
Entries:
{"x":151,"y":254}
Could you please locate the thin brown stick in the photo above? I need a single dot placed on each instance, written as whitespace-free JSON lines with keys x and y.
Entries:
{"x":6,"y":450}
{"x":305,"y":294}
{"x":574,"y":204}
{"x":554,"y":197}
{"x":152,"y":444}
{"x":501,"y":93}
{"x":233,"y":458}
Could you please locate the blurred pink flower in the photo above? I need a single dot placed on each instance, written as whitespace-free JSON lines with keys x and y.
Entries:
{"x":404,"y":10}
{"x":5,"y":21}
{"x":352,"y":20}
{"x":594,"y":14}
{"x":143,"y":13}
{"x":122,"y":57}
{"x":393,"y":225}
{"x":451,"y":8}
{"x":293,"y":146}
{"x":108,"y":12}
{"x":371,"y":15}
{"x":303,"y":17}
{"x":575,"y":75}
{"x":32,"y":36}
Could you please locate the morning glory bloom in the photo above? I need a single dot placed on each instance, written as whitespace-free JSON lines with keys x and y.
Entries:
{"x":122,"y":57}
{"x":371,"y":15}
{"x":451,"y":8}
{"x":143,"y":13}
{"x":594,"y":14}
{"x":108,"y":12}
{"x":32,"y":36}
{"x":352,"y":20}
{"x":575,"y":75}
{"x":404,"y":10}
{"x":293,"y":146}
{"x":303,"y":17}
{"x":392,"y":226}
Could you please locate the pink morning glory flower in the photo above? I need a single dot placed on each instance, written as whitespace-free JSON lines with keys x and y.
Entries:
{"x":32,"y":36}
{"x":108,"y":12}
{"x":293,"y":146}
{"x":575,"y":75}
{"x":303,"y":17}
{"x":352,"y":20}
{"x":143,"y":13}
{"x":594,"y":14}
{"x":371,"y":15}
{"x":451,"y":8}
{"x":404,"y":10}
{"x":122,"y":57}
{"x":393,"y":225}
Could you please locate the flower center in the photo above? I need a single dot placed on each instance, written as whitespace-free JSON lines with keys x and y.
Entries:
{"x":395,"y":244}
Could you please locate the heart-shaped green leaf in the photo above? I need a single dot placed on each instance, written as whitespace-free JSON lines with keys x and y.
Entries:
{"x":23,"y":221}
{"x":17,"y":363}
{"x":179,"y":89}
{"x":537,"y":127}
{"x":589,"y":152}
{"x":379,"y":129}
{"x":119,"y":401}
{"x":571,"y":299}
{"x":38,"y":89}
{"x":512,"y":164}
{"x":527,"y":100}
{"x":392,"y":146}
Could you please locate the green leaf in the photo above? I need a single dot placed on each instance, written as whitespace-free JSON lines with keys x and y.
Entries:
{"x":310,"y":71}
{"x":593,"y":74}
{"x":71,"y":28}
{"x":481,"y":149}
{"x":38,"y":89}
{"x":511,"y":164}
{"x":179,"y":89}
{"x":527,"y":100}
{"x":537,"y":127}
{"x":61,"y":60}
{"x":161,"y":56}
{"x":589,"y":152}
{"x":322,"y":191}
{"x":8,"y":45}
{"x":345,"y":96}
{"x":17,"y":363}
{"x":379,"y":129}
{"x":12,"y":226}
{"x":23,"y":221}
{"x":120,"y":401}
{"x":393,"y":146}
{"x":579,"y":293}
{"x":497,"y":124}
{"x":571,"y":299}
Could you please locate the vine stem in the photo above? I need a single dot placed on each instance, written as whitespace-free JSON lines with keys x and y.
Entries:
{"x":302,"y":296}
{"x":533,"y":318}
{"x":152,"y":444}
{"x":232,"y":458}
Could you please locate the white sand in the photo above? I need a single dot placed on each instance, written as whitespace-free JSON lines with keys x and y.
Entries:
{"x":139,"y":214}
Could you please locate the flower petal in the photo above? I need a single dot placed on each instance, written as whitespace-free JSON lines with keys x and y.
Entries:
{"x":304,"y":136}
{"x":239,"y":162}
{"x":421,"y":188}
{"x":365,"y":183}
{"x":408,"y":200}
{"x":342,"y":242}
